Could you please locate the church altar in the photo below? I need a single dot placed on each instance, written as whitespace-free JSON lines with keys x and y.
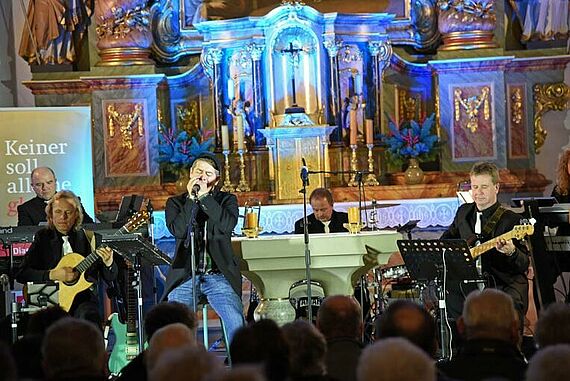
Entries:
{"x":280,"y":219}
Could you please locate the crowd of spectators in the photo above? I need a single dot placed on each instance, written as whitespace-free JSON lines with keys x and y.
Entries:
{"x":56,"y":346}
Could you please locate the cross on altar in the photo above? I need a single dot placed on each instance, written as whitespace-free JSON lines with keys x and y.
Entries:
{"x":294,"y":60}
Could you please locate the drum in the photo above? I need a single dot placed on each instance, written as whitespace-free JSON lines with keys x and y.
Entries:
{"x":299,"y":300}
{"x":395,"y":273}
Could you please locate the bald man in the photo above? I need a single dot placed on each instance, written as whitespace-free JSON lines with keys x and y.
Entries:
{"x":44,"y":184}
{"x":340,"y":320}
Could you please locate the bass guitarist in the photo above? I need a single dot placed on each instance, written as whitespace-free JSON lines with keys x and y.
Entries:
{"x":64,"y":235}
{"x":503,"y":267}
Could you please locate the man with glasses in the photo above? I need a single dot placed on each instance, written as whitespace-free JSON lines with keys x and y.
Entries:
{"x":44,"y":184}
{"x":211,"y":215}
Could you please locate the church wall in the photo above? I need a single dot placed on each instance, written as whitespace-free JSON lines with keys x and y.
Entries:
{"x":487,"y":142}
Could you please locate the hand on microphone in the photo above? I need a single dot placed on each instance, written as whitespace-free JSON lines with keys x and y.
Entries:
{"x":196,"y":187}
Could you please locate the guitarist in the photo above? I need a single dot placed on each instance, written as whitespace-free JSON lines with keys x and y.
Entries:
{"x":505,"y":266}
{"x":64,"y":235}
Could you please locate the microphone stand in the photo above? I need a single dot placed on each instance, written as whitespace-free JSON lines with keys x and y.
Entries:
{"x":150,"y":211}
{"x":305,"y":180}
{"x":190,"y":242}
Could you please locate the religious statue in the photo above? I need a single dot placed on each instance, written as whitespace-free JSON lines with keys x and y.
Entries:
{"x":239,"y":111}
{"x":50,"y":29}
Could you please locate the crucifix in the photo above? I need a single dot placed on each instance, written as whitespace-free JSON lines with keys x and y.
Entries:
{"x":294,"y":61}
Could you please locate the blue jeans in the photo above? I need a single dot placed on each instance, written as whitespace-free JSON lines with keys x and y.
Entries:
{"x":220,"y":295}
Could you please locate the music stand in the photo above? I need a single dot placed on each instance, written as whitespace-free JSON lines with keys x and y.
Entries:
{"x":137,"y":250}
{"x":439,"y":261}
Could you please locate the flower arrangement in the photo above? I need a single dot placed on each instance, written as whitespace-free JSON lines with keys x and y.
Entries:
{"x":177,"y":148}
{"x":410,"y":140}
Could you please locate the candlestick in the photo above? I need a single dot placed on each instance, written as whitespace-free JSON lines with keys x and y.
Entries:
{"x":228,"y":186}
{"x":225,"y":138}
{"x":353,"y":166}
{"x":369,"y":131}
{"x":370,"y":177}
{"x":240,"y":138}
{"x":242,"y":185}
{"x":353,"y":127}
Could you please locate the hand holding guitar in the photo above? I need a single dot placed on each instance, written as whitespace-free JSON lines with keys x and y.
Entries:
{"x":106,"y":254}
{"x":506,"y":247}
{"x":64,"y":274}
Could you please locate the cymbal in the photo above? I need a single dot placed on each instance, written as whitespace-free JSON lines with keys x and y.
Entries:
{"x":377,"y":206}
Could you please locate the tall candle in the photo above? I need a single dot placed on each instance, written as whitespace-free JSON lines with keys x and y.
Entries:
{"x":231,"y":87}
{"x":369,"y":131}
{"x":353,"y":127}
{"x":240,"y":138}
{"x":353,"y":215}
{"x":225,"y":138}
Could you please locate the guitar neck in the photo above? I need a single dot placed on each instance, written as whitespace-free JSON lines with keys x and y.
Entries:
{"x":93,"y":257}
{"x":490,"y":244}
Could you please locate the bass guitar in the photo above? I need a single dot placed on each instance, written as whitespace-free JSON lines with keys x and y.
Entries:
{"x":69,"y":290}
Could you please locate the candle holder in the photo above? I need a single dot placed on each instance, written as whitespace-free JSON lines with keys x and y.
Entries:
{"x":353,"y":228}
{"x":252,"y":215}
{"x":371,"y":177}
{"x":228,"y":186}
{"x":353,"y":166}
{"x":242,"y":185}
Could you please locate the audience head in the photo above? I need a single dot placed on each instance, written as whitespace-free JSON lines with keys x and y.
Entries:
{"x":553,"y":325}
{"x":550,"y":364}
{"x":340,"y":316}
{"x":262,"y":343}
{"x":43,"y":182}
{"x":563,"y":173}
{"x":321,"y":201}
{"x":168,"y":338}
{"x":307,"y":349}
{"x":166,"y":313}
{"x":41,"y":320}
{"x":8,"y":370}
{"x":489,"y":314}
{"x":238,"y":373}
{"x":484,"y":184}
{"x":73,"y":348}
{"x":186,"y":363}
{"x":411,"y":321}
{"x":64,"y":212}
{"x":395,"y":359}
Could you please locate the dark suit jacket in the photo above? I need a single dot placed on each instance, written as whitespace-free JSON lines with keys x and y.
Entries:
{"x":506,"y":273}
{"x":46,"y":251}
{"x":483,"y":359}
{"x":33,"y":211}
{"x":316,"y":226}
{"x":220,"y":209}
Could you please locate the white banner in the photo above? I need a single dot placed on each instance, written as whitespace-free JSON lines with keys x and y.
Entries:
{"x":55,"y":137}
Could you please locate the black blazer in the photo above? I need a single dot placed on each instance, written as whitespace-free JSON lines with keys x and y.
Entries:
{"x":506,"y":273}
{"x":33,"y":211}
{"x":220,"y":210}
{"x":316,"y":226}
{"x":46,"y":251}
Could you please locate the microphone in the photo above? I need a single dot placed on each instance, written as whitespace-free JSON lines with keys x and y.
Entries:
{"x":305,"y":173}
{"x":195,"y":190}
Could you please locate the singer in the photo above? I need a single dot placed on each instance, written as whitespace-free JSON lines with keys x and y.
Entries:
{"x":218,"y":279}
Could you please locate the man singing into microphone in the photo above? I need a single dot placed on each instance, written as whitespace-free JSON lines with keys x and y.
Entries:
{"x":218,"y":278}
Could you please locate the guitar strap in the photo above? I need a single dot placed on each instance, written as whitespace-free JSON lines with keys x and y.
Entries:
{"x":490,"y":224}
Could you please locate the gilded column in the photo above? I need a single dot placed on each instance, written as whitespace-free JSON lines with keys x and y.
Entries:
{"x":123,"y":33}
{"x":381,"y":51}
{"x":333,"y":47}
{"x":211,"y":59}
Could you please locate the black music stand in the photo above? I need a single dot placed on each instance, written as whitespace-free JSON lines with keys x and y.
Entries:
{"x":439,"y":261}
{"x":137,"y":250}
